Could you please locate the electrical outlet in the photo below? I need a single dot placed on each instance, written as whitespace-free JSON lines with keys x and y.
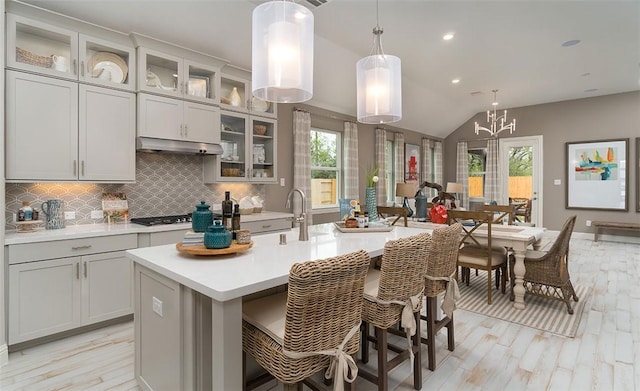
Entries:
{"x":282,"y":182}
{"x":557,"y":182}
{"x":157,"y":305}
{"x":588,"y":223}
{"x":15,"y":218}
{"x":69,"y":215}
{"x":96,"y":214}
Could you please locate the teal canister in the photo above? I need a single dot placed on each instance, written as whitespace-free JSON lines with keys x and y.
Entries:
{"x":201,"y":218}
{"x":217,"y":236}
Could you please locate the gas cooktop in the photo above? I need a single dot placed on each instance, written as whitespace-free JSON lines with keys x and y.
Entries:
{"x":149,"y":221}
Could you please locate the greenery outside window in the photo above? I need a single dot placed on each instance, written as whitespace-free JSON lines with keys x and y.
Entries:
{"x":326,"y":168}
{"x":477,"y":160}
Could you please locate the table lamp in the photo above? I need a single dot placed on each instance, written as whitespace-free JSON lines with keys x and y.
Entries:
{"x":406,"y":190}
{"x":455,"y":188}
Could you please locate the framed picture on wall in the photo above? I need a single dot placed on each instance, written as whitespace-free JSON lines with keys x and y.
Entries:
{"x":637,"y":174}
{"x":597,"y":175}
{"x":411,"y":163}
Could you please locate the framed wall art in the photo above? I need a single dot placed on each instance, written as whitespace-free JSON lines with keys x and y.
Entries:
{"x":597,"y":175}
{"x":411,"y":163}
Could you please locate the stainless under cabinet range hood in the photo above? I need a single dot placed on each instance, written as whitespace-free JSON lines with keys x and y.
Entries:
{"x":148,"y":144}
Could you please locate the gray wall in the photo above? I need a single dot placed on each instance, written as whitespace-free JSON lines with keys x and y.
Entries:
{"x":324,"y":119}
{"x":598,"y":118}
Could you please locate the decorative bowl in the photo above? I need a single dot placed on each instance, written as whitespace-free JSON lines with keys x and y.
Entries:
{"x":260,"y":130}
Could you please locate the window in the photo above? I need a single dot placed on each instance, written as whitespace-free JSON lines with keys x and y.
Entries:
{"x":477,"y":159}
{"x":389,"y":178}
{"x":326,"y":168}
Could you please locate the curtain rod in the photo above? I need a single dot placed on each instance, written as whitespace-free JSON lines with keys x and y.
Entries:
{"x":338,"y":118}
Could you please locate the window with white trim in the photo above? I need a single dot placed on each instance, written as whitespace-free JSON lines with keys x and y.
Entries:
{"x":326,"y":168}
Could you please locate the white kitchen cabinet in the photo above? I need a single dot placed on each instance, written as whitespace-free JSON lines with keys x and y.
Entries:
{"x":84,"y":133}
{"x":42,"y":126}
{"x":241,"y":81}
{"x":53,"y":50}
{"x":44,"y":298}
{"x":247,"y":155}
{"x":173,"y":119}
{"x":171,"y":70}
{"x":87,"y":284}
{"x":106,"y":134}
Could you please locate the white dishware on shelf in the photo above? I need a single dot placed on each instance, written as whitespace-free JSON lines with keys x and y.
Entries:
{"x":104,"y":61}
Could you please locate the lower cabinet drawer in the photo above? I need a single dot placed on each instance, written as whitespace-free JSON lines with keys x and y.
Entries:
{"x":264,"y":226}
{"x":20,"y":253}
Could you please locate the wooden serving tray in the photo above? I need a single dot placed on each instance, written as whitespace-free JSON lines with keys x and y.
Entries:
{"x":202,"y":250}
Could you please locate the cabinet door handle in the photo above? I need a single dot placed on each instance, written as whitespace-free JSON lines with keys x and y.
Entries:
{"x":82,"y":167}
{"x":266,"y":226}
{"x":85,"y":269}
{"x":82,"y":68}
{"x":75,"y":66}
{"x":75,"y":167}
{"x":181,"y":130}
{"x":186,"y":130}
{"x":86,"y":246}
{"x":183,"y":88}
{"x":77,"y":271}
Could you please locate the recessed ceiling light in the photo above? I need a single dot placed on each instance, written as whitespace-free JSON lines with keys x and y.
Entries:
{"x":455,"y":81}
{"x":591,"y":90}
{"x":571,"y":43}
{"x":447,"y":36}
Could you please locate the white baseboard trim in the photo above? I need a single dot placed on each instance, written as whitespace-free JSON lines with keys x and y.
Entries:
{"x":4,"y":354}
{"x":607,"y":238}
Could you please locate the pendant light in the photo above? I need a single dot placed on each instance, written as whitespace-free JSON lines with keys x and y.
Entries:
{"x":282,"y":52}
{"x":379,"y":84}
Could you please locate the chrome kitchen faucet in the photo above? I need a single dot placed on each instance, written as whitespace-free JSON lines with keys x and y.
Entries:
{"x":302,"y":219}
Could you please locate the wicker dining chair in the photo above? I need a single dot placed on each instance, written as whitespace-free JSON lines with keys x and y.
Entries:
{"x":547,"y":272}
{"x":476,"y":252}
{"x":441,"y":277}
{"x":313,"y":326}
{"x":394,"y":294}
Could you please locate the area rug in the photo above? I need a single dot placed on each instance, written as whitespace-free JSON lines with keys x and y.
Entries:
{"x":539,"y":313}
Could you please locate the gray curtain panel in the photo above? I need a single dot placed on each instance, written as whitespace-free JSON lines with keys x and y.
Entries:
{"x":462,"y":167}
{"x":350,"y":158}
{"x":302,"y":159}
{"x":492,"y":190}
{"x":381,"y":189}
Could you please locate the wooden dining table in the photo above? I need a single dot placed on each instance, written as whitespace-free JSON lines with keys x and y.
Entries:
{"x":516,"y":238}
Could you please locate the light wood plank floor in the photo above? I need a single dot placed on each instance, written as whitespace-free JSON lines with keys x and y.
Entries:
{"x":490,"y":354}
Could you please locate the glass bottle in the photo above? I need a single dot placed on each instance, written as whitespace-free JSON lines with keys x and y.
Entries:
{"x":235,"y":220}
{"x":27,"y":212}
{"x":227,"y":211}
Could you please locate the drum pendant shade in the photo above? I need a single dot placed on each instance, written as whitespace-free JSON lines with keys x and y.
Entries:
{"x":282,"y":52}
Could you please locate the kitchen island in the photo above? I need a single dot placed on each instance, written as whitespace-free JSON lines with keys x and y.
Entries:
{"x":188,"y":309}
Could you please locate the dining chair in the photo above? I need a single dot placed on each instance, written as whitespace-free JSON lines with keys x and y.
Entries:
{"x":522,"y":209}
{"x":476,"y":251}
{"x":394,"y":294}
{"x":547,"y":272}
{"x":441,"y":277}
{"x":501,"y":212}
{"x":312,"y":326}
{"x":399,"y":212}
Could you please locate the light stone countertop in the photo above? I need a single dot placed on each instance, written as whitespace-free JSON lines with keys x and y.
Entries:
{"x":103,"y":229}
{"x":265,"y":265}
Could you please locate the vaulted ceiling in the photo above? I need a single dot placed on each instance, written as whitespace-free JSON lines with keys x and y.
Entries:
{"x":514,"y":46}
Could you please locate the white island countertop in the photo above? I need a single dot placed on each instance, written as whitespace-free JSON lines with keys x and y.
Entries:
{"x":103,"y":229}
{"x":265,"y":265}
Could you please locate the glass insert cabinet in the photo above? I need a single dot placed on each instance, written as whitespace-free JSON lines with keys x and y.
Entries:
{"x":249,"y":150}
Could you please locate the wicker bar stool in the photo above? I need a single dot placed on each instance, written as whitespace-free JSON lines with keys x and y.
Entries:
{"x":393,"y":294}
{"x":441,"y":277}
{"x":311,"y":327}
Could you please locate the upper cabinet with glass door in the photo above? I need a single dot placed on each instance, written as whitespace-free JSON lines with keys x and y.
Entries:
{"x":177,"y":76}
{"x":235,"y":94}
{"x":48,"y":49}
